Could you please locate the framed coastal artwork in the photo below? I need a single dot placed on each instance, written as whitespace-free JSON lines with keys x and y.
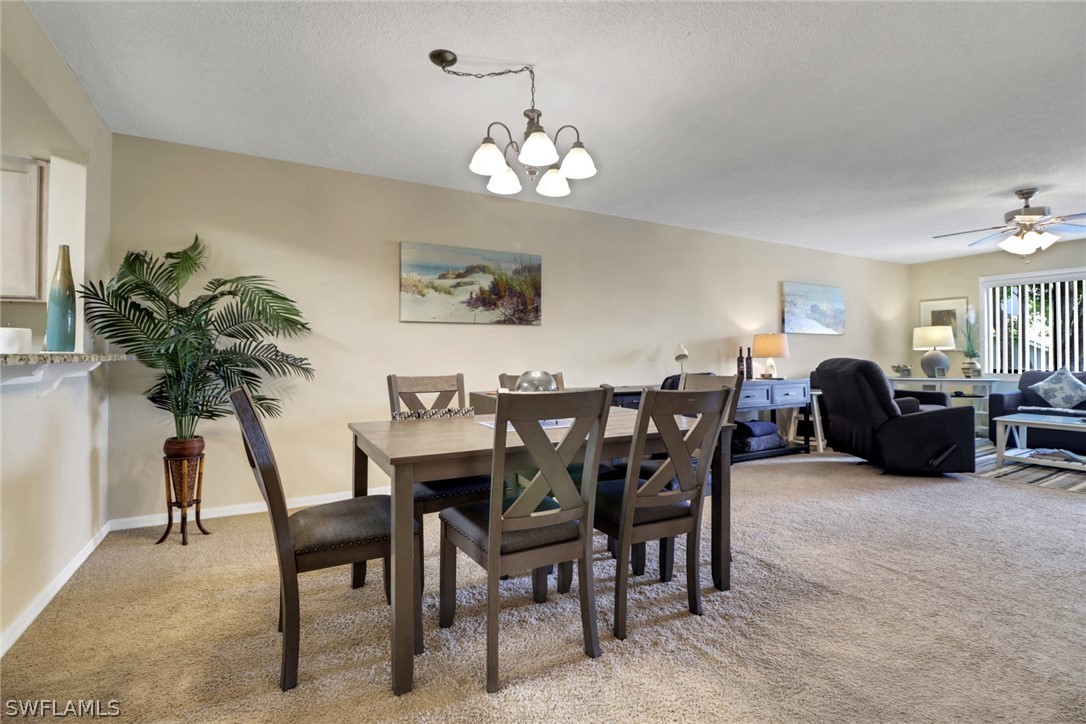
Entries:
{"x":812,"y":309}
{"x":469,"y":286}
{"x":948,"y":313}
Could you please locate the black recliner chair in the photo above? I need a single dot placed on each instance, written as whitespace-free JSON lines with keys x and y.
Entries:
{"x":865,"y":420}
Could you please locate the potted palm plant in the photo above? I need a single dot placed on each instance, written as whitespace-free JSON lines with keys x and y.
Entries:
{"x":201,"y":349}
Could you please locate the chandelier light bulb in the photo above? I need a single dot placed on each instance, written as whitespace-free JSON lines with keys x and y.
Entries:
{"x":488,"y":159}
{"x":504,"y":182}
{"x":1021,"y":245}
{"x":578,"y":164}
{"x":538,"y":150}
{"x":553,"y":184}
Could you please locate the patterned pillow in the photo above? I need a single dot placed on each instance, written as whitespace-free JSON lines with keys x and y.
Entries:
{"x":431,"y":414}
{"x":1061,"y":389}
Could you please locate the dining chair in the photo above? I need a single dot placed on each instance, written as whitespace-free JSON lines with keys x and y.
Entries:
{"x":435,"y":496}
{"x":320,"y":536}
{"x":546,"y":521}
{"x":638,"y":510}
{"x":509,"y":381}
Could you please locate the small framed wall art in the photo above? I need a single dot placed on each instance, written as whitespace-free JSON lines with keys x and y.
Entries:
{"x":946,"y":313}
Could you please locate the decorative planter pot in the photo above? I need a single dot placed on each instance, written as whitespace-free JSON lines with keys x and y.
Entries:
{"x":970,"y":368}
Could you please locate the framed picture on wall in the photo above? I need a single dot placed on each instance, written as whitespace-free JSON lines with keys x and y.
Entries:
{"x":812,"y":309}
{"x":946,"y":312}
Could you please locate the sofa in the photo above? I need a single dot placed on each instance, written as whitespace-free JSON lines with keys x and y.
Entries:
{"x":866,"y":420}
{"x":1026,"y":400}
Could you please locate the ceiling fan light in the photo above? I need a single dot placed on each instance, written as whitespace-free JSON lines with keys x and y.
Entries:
{"x":553,"y":184}
{"x":538,"y":150}
{"x":1020,"y":245}
{"x":1047,"y":239}
{"x":578,"y":164}
{"x":488,"y":159}
{"x":504,"y":182}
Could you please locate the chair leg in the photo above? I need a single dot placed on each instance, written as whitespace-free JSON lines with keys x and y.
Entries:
{"x":419,"y":519}
{"x":539,"y":584}
{"x":612,"y":546}
{"x":622,"y":583}
{"x":667,"y":559}
{"x":588,"y":602}
{"x":291,"y":623}
{"x":693,"y":571}
{"x":280,"y":613}
{"x":446,"y":605}
{"x":388,"y":580}
{"x":565,"y":576}
{"x":420,"y":647}
{"x":492,"y":629}
{"x":638,"y":557}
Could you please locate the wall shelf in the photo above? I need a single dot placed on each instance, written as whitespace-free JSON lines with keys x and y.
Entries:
{"x":48,"y":369}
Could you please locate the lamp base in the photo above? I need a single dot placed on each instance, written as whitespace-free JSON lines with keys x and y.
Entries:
{"x":933,"y":360}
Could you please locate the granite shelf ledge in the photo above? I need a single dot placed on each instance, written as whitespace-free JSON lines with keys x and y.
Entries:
{"x":54,"y":358}
{"x":48,"y":369}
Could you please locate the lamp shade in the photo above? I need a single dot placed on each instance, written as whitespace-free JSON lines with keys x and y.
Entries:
{"x":538,"y":150}
{"x":552,"y":184}
{"x":504,"y":182}
{"x":578,"y":164}
{"x":1021,"y":244}
{"x":938,"y":337}
{"x":681,"y":353}
{"x":770,"y":345}
{"x":488,"y":159}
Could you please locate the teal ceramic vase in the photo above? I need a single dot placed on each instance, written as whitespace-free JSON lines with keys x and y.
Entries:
{"x":60,"y":314}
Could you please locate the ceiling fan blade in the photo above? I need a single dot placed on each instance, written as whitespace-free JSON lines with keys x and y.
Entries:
{"x":1065,"y":217}
{"x":1065,"y":228}
{"x":974,"y":231}
{"x":1003,"y":233}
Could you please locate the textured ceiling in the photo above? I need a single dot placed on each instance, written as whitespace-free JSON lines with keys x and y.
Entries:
{"x":861,"y":128}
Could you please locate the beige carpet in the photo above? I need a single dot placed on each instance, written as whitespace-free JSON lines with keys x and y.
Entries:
{"x":856,"y":597}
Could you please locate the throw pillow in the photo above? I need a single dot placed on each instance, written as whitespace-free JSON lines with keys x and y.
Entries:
{"x":1061,"y":389}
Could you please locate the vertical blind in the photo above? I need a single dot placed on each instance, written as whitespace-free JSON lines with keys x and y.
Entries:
{"x":1034,"y":325}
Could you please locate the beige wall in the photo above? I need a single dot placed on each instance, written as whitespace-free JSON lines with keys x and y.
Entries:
{"x":619,"y":296}
{"x":54,"y":449}
{"x":961,"y":278}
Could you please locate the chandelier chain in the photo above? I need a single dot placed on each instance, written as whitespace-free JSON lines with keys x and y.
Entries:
{"x":508,"y":71}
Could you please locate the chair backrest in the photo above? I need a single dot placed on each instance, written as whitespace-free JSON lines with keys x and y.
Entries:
{"x":688,"y":456}
{"x":858,"y":399}
{"x":524,"y":412}
{"x":702,"y":381}
{"x":262,"y":461}
{"x":509,"y":381}
{"x":406,"y":391}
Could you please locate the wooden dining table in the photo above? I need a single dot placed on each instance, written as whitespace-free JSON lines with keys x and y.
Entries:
{"x":412,"y":451}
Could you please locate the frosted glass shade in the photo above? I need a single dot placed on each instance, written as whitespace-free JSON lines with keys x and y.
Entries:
{"x":488,"y":159}
{"x":504,"y":183}
{"x":1022,"y":245}
{"x":578,"y":164}
{"x":538,"y":150}
{"x":553,"y":184}
{"x":938,"y":337}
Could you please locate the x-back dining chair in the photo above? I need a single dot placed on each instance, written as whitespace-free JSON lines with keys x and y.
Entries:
{"x":639,"y":510}
{"x":548,"y":521}
{"x":435,"y":496}
{"x":320,"y":536}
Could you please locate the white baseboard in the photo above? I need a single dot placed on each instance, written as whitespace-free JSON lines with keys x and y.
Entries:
{"x":12,"y":633}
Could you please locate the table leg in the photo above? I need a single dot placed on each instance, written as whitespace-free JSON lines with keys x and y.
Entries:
{"x":361,"y":476}
{"x":1001,"y":441}
{"x":720,"y":507}
{"x":403,"y":579}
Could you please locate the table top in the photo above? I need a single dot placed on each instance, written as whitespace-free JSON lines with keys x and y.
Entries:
{"x":1059,"y":422}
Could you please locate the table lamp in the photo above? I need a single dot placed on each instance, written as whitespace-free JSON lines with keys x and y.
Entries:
{"x":933,"y":339}
{"x":681,"y":355}
{"x":770,"y":346}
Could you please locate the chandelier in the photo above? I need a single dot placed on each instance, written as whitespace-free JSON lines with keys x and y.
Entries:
{"x":538,"y":153}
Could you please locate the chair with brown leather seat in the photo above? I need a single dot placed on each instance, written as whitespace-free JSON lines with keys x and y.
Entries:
{"x":638,"y":510}
{"x":547,"y":521}
{"x":320,"y":536}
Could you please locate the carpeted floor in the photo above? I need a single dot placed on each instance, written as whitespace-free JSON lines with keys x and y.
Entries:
{"x":1044,"y":476}
{"x":857,"y":597}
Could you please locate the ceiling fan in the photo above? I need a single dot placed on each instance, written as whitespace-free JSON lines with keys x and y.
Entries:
{"x":1027,"y":229}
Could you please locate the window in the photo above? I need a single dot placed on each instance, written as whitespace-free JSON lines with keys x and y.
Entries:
{"x":1034,"y":321}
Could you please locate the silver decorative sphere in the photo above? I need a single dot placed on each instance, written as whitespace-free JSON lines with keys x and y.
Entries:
{"x":536,"y":381}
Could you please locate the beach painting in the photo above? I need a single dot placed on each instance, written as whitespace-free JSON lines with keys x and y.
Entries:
{"x":813,"y":309}
{"x":469,"y":286}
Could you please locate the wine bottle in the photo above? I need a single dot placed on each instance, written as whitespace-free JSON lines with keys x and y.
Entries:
{"x":740,"y":365}
{"x":749,"y":365}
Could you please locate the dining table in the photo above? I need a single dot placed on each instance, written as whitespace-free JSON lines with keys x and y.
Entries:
{"x":413,"y":451}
